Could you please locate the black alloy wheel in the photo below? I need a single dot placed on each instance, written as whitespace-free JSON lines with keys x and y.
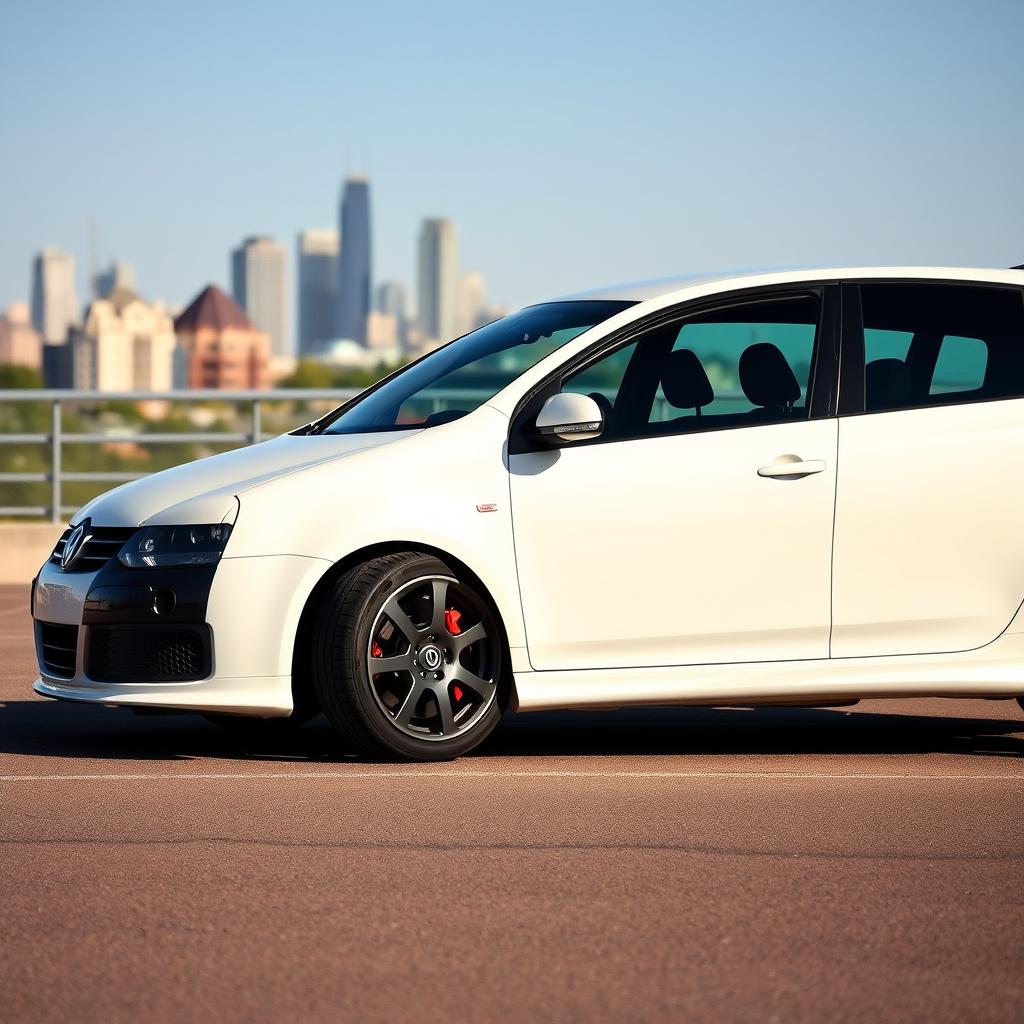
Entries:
{"x":408,"y":659}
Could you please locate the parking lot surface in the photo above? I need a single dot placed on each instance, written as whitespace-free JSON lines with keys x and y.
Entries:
{"x":857,"y":864}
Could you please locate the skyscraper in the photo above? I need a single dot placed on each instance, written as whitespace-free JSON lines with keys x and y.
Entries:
{"x":54,"y":303}
{"x":318,"y":288}
{"x":258,"y":285}
{"x":355,"y":275}
{"x":438,"y":279}
{"x":393,"y":301}
{"x":117,"y":275}
{"x":472,"y":301}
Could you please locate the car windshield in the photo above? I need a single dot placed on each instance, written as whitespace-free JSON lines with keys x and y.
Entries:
{"x":459,"y":377}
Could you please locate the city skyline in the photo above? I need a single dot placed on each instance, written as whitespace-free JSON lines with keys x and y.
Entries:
{"x":450,"y":300}
{"x":118,"y":337}
{"x":558,"y":180}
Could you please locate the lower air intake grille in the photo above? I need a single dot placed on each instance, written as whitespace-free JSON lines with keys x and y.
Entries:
{"x":57,"y":646}
{"x":148,"y":654}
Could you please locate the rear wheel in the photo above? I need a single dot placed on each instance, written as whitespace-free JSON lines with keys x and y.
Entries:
{"x":407,"y":659}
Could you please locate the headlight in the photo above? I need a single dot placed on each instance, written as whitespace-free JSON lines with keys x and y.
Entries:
{"x":157,"y":547}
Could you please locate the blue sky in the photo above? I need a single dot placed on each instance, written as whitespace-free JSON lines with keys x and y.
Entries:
{"x":573,"y":143}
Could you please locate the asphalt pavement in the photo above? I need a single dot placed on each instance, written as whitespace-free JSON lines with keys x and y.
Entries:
{"x":685,"y":864}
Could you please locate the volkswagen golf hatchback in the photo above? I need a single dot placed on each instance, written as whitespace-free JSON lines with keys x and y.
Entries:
{"x":772,"y":488}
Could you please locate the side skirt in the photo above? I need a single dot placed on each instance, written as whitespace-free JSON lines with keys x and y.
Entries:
{"x":996,"y":670}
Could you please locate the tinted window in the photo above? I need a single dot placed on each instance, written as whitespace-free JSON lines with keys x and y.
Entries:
{"x":938,"y":344}
{"x":459,"y":377}
{"x":960,"y":365}
{"x":732,"y":366}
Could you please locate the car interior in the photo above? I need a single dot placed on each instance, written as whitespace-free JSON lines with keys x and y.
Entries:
{"x":666,"y":387}
{"x":964,"y":345}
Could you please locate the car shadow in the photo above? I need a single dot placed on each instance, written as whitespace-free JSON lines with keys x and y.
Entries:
{"x":49,"y":729}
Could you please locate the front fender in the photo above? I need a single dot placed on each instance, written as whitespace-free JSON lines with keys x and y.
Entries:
{"x":445,"y":488}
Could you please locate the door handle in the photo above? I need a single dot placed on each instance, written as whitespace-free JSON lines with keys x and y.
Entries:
{"x":789,"y":467}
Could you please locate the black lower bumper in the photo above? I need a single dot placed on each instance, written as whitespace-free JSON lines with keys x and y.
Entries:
{"x":138,"y":626}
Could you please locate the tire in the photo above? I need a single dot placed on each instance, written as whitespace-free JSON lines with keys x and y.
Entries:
{"x":407,"y":659}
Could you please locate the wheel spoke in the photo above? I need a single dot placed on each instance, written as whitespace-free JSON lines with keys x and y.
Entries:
{"x":444,"y":703}
{"x":471,"y":636}
{"x":405,"y":625}
{"x":439,"y":589}
{"x":483,"y":687}
{"x":403,"y":716}
{"x":399,"y":663}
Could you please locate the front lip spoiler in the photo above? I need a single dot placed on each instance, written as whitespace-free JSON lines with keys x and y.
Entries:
{"x":259,"y":697}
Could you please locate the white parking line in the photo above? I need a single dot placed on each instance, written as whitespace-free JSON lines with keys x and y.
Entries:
{"x":500,"y":774}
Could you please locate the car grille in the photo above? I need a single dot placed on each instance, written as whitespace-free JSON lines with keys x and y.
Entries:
{"x":148,"y":654}
{"x":57,"y":645}
{"x":103,"y":544}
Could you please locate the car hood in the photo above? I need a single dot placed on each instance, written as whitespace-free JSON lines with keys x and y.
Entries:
{"x":205,"y":491}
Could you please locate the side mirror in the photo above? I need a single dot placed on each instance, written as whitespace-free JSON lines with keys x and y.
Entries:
{"x":568,"y":417}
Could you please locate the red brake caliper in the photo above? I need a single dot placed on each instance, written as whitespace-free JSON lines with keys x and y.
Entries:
{"x":376,"y":650}
{"x":451,"y":623}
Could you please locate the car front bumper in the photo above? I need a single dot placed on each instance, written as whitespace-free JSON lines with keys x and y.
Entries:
{"x":189,"y":639}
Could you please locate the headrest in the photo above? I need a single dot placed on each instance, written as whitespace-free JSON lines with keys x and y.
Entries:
{"x":765,"y":376}
{"x":684,"y":381}
{"x":887,"y":384}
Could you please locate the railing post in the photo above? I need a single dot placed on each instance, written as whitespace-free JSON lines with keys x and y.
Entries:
{"x":257,"y":420}
{"x":56,"y":496}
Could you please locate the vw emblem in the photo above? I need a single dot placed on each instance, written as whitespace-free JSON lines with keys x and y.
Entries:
{"x":74,"y":544}
{"x":430,"y":656}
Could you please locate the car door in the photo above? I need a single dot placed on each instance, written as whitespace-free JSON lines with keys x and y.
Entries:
{"x":929,"y":550}
{"x":698,"y":527}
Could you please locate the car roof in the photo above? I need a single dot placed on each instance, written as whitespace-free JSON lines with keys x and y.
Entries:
{"x":642,"y":291}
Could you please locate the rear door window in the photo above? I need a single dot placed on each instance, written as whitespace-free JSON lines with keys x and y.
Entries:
{"x":941,"y":344}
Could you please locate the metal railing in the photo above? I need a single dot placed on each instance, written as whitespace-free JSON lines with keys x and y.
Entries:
{"x":57,"y":438}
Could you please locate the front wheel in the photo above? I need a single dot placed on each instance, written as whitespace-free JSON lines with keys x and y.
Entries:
{"x":407,"y":659}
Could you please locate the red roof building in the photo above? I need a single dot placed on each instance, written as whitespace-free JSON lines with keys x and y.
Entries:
{"x":220,"y":346}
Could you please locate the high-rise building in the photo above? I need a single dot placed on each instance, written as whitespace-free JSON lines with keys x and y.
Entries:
{"x":219,"y":346}
{"x":355,"y":274}
{"x":117,"y":275}
{"x":472,"y":302}
{"x":381,"y":330}
{"x":438,"y":279}
{"x":391,"y":298}
{"x":54,"y":302}
{"x":20,"y":343}
{"x":393,"y":301}
{"x":125,"y":344}
{"x":258,"y":285}
{"x":318,"y":289}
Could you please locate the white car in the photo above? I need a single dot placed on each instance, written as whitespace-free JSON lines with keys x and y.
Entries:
{"x":795,"y":488}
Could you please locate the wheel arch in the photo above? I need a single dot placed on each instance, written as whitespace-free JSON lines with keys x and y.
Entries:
{"x":303,"y":696}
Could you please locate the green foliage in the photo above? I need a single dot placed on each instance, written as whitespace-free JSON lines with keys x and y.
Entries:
{"x":309,"y":373}
{"x":20,"y":377}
